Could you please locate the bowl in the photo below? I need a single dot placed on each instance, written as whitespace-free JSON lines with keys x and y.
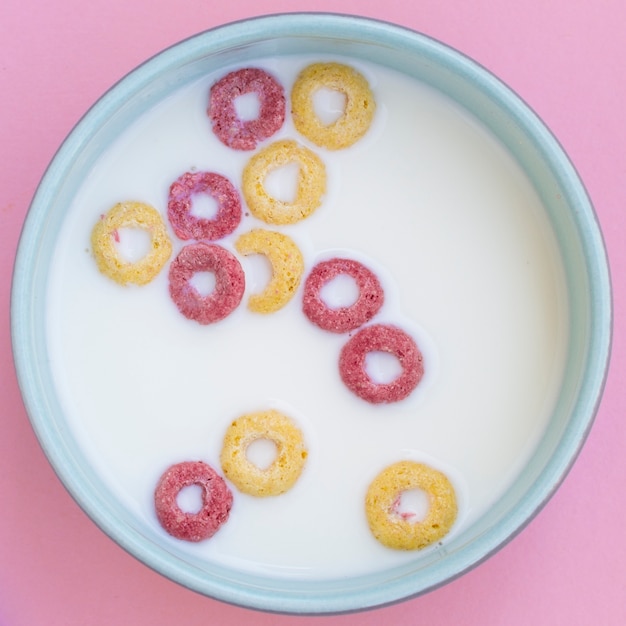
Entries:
{"x":578,"y":287}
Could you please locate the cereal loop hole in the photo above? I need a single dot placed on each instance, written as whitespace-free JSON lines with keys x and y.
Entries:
{"x":340,"y":291}
{"x":247,"y":107}
{"x":204,"y":206}
{"x":203,"y":283}
{"x":190,"y":499}
{"x":259,"y":271}
{"x":329,"y":105}
{"x":262,"y":452}
{"x":132,"y":244}
{"x":282,"y":182}
{"x":382,"y":367}
{"x":412,"y":505}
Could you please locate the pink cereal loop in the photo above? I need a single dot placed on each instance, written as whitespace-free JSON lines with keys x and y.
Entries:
{"x":188,"y":226}
{"x":381,"y":338}
{"x":229,"y":282}
{"x":346,"y":318}
{"x":217,"y":500}
{"x":246,"y":134}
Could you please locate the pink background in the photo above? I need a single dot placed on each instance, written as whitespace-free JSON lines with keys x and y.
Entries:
{"x":566,"y":58}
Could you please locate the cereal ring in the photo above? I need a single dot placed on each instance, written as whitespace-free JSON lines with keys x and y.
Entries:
{"x":217,"y":500}
{"x":356,"y":117}
{"x":311,"y":183}
{"x":228,"y":127}
{"x":345,"y":318}
{"x":188,"y":226}
{"x":230,"y":282}
{"x":287,"y":267}
{"x":381,"y":338}
{"x":290,"y":453}
{"x":105,"y":234}
{"x":396,"y":530}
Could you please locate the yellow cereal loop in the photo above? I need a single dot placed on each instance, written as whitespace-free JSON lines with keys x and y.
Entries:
{"x":284,"y":470}
{"x":311,"y":183}
{"x":106,"y":232}
{"x":356,"y":117}
{"x":398,"y":531}
{"x":287,"y":267}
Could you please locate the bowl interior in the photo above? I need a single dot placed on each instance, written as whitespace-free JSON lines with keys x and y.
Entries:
{"x":526,"y":138}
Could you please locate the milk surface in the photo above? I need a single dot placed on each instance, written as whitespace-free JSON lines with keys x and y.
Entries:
{"x":432,"y":203}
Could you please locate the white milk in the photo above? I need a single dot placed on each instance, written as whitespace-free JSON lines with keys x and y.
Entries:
{"x":433,"y":204}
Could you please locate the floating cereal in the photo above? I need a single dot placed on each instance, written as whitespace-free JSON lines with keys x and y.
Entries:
{"x":356,"y":117}
{"x":179,"y":206}
{"x":399,"y":531}
{"x":229,"y":282}
{"x":381,"y":338}
{"x":284,"y":470}
{"x":311,"y":183}
{"x":344,"y":318}
{"x":287,"y":267}
{"x":105,"y":235}
{"x":228,"y":127}
{"x":217,"y":500}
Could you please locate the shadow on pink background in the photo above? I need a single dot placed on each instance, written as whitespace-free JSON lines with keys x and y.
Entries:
{"x":566,"y":59}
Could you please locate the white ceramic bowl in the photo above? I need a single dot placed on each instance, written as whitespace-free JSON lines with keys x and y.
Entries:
{"x":529,"y":142}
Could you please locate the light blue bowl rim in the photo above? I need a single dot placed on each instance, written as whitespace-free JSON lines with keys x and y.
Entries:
{"x":369,"y":592}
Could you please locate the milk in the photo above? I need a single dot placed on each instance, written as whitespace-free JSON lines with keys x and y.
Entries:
{"x":428,"y":200}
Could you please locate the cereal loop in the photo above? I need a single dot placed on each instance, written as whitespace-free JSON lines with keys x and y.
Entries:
{"x":284,"y":470}
{"x":397,"y":530}
{"x":345,"y":318}
{"x":228,"y":127}
{"x":380,"y":338}
{"x":229,"y":282}
{"x":217,"y":500}
{"x":356,"y":117}
{"x":105,"y":234}
{"x":179,"y":206}
{"x":287,"y":267}
{"x":310,"y":189}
